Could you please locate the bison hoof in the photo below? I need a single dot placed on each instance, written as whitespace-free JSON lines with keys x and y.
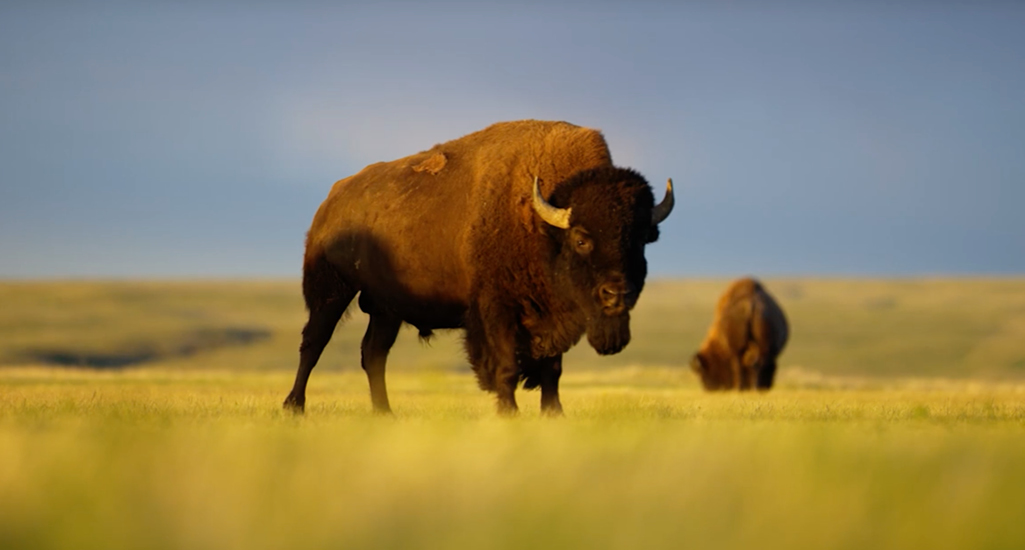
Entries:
{"x":552,"y":412}
{"x":294,"y":404}
{"x":507,"y":409}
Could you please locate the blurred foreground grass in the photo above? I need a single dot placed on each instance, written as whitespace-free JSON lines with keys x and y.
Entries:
{"x":185,"y":459}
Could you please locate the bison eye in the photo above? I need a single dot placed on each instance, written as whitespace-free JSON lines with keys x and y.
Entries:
{"x":582,"y":243}
{"x":584,"y":246}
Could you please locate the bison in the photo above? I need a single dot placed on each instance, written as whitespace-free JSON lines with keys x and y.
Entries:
{"x":523,"y":234}
{"x":748,"y":333}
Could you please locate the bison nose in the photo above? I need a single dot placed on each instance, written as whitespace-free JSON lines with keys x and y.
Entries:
{"x":615,"y":297}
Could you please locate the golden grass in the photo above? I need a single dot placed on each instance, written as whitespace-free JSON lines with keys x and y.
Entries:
{"x":172,"y":459}
{"x":898,"y":421}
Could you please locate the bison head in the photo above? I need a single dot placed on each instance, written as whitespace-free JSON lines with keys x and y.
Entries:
{"x":715,"y":374}
{"x":603,"y":218}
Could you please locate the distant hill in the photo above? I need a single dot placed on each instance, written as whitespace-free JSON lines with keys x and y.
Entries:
{"x":955,"y":328}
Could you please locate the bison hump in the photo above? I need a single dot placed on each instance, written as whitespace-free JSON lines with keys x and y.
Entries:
{"x":432,"y":165}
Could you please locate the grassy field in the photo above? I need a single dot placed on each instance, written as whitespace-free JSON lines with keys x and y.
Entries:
{"x":883,"y":329}
{"x":899,"y":422}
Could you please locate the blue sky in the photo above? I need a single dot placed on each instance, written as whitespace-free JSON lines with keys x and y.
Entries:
{"x":198,"y":140}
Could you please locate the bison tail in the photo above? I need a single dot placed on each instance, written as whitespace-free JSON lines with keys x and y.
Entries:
{"x":323,"y":284}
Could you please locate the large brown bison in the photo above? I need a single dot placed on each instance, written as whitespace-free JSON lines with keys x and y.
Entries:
{"x":747,"y":335}
{"x":524,"y":234}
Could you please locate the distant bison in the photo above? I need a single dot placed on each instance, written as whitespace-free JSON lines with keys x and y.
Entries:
{"x":747,"y":335}
{"x":524,"y":234}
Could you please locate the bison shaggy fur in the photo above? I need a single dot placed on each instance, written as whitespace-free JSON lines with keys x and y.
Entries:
{"x":524,"y":235}
{"x":747,"y":335}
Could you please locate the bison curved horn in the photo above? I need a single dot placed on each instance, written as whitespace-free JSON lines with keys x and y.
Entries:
{"x":662,"y":210}
{"x":559,"y":217}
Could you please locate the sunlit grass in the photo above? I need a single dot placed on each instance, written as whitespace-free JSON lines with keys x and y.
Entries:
{"x":898,"y":421}
{"x":170,"y":459}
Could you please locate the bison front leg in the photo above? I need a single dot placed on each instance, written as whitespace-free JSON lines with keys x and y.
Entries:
{"x":506,"y":393}
{"x":550,"y":403}
{"x":490,"y":344}
{"x":545,"y":373}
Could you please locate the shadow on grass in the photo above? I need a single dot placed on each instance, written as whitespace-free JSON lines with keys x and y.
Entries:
{"x":184,"y":345}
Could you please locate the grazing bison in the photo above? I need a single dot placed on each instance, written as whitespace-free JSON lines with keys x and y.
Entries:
{"x":524,"y":234}
{"x":747,"y":335}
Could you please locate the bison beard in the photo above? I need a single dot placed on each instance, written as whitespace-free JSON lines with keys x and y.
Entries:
{"x":609,"y":335}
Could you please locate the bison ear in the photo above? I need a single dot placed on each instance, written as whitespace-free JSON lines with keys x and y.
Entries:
{"x":652,"y":234}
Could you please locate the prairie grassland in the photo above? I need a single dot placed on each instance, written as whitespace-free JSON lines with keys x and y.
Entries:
{"x":898,"y":421}
{"x":955,"y":328}
{"x":172,"y":459}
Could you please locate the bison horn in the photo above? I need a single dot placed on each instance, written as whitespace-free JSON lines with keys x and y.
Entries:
{"x":559,"y":217}
{"x":661,"y":212}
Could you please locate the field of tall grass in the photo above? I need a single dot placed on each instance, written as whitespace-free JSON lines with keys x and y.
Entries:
{"x":148,"y":415}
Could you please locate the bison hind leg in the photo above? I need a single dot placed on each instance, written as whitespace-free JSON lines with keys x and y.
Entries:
{"x":377,"y":342}
{"x":324,"y":286}
{"x":766,"y":375}
{"x":327,"y":297}
{"x":750,"y":365}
